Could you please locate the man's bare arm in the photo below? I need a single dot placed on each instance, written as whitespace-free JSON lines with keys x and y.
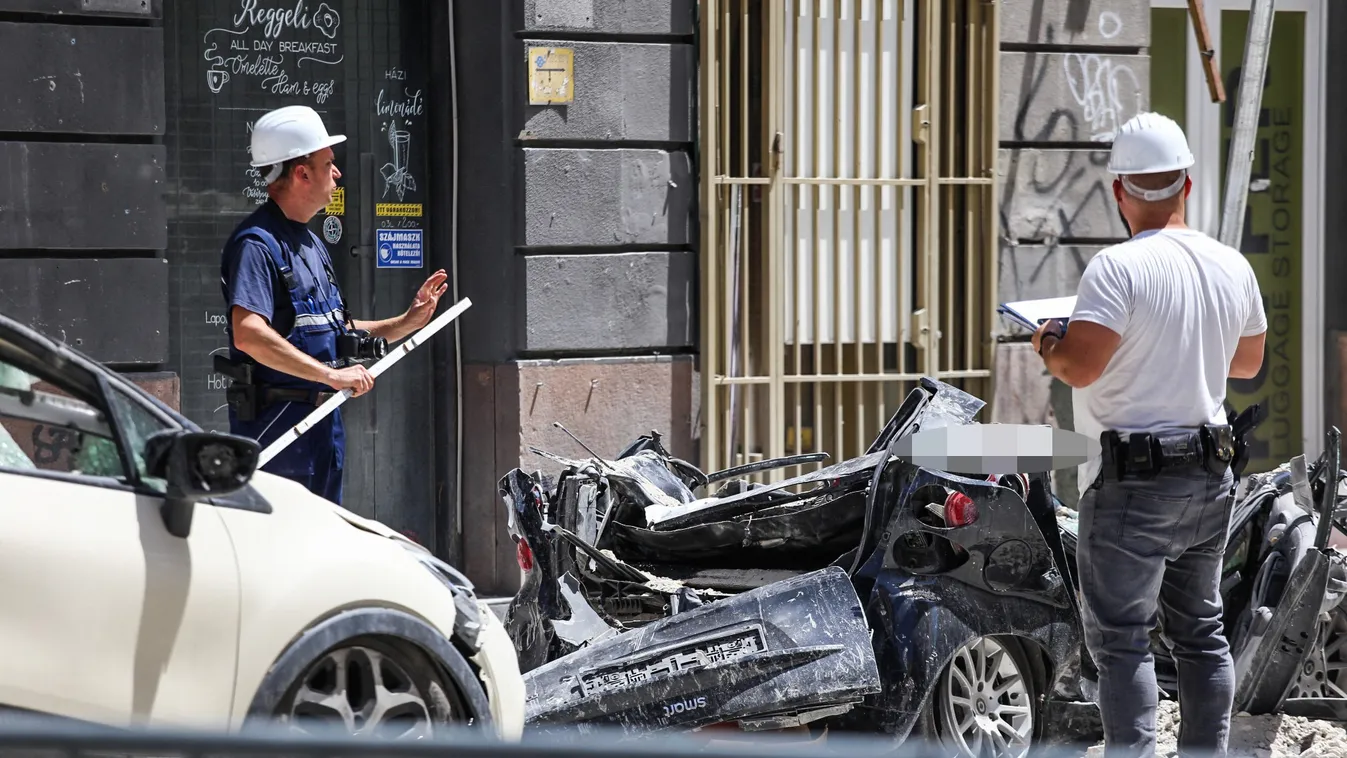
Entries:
{"x":1248,"y":357}
{"x":254,"y":336}
{"x":1081,"y":356}
{"x":391,"y":329}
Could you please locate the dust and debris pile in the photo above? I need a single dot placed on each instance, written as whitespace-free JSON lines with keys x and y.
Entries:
{"x":1271,"y":736}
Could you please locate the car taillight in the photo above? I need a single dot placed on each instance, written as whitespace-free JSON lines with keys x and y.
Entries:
{"x":524,"y":555}
{"x":960,"y":510}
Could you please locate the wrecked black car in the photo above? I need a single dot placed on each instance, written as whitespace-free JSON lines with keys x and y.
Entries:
{"x":869,"y":595}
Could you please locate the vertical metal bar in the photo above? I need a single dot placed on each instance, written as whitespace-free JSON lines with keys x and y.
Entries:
{"x":816,"y":365}
{"x":774,"y":95}
{"x":746,"y":341}
{"x":910,"y":165}
{"x":707,"y":100}
{"x":880,"y":195}
{"x":858,"y":235}
{"x":991,"y":220}
{"x":793,"y":193}
{"x":725,"y":148}
{"x":948,"y":167}
{"x":931,"y":276}
{"x":837,"y":193}
{"x":1257,"y":41}
{"x":972,"y":86}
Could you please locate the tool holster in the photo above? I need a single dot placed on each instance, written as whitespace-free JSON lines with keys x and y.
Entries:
{"x":242,"y":393}
{"x":1143,"y":455}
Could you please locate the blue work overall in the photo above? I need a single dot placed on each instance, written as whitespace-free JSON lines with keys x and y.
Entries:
{"x":315,"y":460}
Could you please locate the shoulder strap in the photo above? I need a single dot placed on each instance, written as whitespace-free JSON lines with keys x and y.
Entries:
{"x":277,"y":253}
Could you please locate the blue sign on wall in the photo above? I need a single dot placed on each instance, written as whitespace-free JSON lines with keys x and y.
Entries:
{"x":400,"y":248}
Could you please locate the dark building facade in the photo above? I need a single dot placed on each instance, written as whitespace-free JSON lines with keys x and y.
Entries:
{"x":568,"y":224}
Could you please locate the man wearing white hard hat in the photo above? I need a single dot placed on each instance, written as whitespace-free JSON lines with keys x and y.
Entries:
{"x":1161,"y":323}
{"x":292,"y":342}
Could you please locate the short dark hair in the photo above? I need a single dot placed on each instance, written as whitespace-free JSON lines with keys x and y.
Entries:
{"x":288,"y":168}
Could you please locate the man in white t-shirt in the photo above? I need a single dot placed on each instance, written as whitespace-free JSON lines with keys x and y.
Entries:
{"x":1161,"y":323}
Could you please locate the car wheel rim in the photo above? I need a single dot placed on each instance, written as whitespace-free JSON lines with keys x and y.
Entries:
{"x":363,"y":692}
{"x":985,"y":708}
{"x":1324,"y":674}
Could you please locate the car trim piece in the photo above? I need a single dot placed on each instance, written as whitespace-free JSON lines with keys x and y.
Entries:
{"x":247,"y":499}
{"x":359,"y":622}
{"x":106,"y":482}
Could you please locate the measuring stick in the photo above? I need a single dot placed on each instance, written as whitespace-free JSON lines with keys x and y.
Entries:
{"x":382,"y":365}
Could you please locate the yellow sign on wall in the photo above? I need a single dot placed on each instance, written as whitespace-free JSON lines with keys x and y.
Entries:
{"x":338,"y":205}
{"x":1273,"y":239}
{"x":397,"y":209}
{"x":551,"y":75}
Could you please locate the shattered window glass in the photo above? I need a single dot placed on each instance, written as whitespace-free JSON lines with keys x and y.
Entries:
{"x":43,"y":428}
{"x":138,"y":424}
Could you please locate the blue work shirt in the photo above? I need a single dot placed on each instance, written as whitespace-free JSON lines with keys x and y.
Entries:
{"x":249,"y":277}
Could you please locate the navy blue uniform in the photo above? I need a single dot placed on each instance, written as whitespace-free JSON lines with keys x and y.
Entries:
{"x":280,"y":269}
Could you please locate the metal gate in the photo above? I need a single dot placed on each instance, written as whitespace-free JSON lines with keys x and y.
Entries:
{"x":848,"y":216}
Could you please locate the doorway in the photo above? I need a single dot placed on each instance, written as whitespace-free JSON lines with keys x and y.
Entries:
{"x":1282,"y":236}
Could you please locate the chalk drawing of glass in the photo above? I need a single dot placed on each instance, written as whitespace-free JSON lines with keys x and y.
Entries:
{"x":395,"y":174}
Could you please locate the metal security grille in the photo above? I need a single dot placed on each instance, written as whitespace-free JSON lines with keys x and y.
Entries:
{"x":849,"y":222}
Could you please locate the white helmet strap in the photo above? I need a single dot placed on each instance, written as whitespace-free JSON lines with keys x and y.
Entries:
{"x":274,"y":173}
{"x":1156,"y":194}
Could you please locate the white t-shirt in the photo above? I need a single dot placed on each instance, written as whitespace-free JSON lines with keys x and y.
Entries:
{"x":1181,"y":301}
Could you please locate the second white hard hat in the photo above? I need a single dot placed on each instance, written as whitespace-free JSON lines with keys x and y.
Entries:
{"x":1149,"y":143}
{"x":286,"y":133}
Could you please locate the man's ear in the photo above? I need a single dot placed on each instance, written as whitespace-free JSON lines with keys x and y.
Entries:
{"x":1187,"y":186}
{"x":1117,"y":191}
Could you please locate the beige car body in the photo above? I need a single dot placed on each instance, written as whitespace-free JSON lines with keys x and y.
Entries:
{"x":109,"y":618}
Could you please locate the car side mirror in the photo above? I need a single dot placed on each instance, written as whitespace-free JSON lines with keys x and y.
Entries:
{"x":198,"y":465}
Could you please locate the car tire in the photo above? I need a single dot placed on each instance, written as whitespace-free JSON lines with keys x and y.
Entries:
{"x":372,"y":687}
{"x":972,"y":707}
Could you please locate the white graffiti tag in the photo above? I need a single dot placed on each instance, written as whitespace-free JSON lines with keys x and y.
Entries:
{"x":1107,"y":92}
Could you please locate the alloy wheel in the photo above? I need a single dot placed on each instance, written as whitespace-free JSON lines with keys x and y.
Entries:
{"x":1324,"y":674}
{"x":361,"y":691}
{"x":986,"y":702}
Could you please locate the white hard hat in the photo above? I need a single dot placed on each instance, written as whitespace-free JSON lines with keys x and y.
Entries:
{"x":286,"y":133}
{"x":1150,"y":143}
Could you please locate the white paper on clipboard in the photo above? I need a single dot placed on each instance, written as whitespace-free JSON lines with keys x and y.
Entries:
{"x":1030,"y":314}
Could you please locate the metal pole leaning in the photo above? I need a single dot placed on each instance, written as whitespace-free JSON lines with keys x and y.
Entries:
{"x":1258,"y":41}
{"x":382,"y":365}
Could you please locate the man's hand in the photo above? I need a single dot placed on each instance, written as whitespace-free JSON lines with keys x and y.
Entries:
{"x":427,"y":300}
{"x":417,"y":315}
{"x":355,"y":378}
{"x":1051,"y":327}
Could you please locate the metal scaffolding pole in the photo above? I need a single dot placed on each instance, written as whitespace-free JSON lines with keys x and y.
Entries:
{"x":1240,"y":166}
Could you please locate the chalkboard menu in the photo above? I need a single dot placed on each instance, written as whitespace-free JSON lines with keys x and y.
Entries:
{"x":362,"y":66}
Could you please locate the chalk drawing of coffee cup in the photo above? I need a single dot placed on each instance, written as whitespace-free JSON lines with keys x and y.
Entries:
{"x":326,"y":20}
{"x":216,"y":79}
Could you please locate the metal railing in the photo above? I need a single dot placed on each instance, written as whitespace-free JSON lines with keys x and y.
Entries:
{"x":848,"y":216}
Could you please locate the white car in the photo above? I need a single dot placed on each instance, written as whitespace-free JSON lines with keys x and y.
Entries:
{"x":148,"y":577}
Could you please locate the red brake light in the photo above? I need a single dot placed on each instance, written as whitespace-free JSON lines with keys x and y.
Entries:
{"x":524,"y":555}
{"x":960,"y":510}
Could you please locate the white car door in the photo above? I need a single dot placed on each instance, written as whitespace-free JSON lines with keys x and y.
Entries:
{"x":106,"y":616}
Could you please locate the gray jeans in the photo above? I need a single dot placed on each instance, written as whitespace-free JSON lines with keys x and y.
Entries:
{"x":1148,"y":551}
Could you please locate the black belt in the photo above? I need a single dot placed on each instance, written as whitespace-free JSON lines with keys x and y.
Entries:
{"x":271,"y":395}
{"x":1145,"y":454}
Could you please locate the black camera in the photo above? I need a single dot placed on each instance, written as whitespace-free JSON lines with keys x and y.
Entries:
{"x":358,"y":345}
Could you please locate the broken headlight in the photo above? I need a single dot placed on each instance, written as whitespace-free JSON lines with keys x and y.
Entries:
{"x":468,"y":615}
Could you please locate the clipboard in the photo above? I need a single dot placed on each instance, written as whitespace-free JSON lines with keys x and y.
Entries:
{"x":1031,"y":314}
